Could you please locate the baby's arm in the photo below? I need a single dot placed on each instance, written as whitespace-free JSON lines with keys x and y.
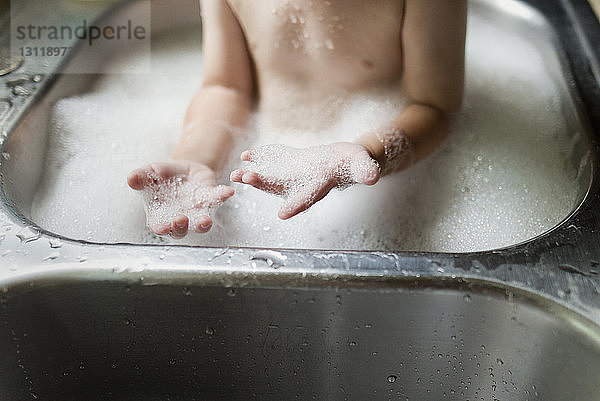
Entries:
{"x":216,"y":113}
{"x":223,"y":104}
{"x":433,"y":38}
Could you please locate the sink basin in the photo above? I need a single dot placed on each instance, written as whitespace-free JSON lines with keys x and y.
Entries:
{"x":480,"y":200}
{"x":72,"y":340}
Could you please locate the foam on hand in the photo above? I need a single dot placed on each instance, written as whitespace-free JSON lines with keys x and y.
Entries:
{"x":502,"y":176}
{"x":297,"y":168}
{"x":303,"y":176}
{"x":165,"y":199}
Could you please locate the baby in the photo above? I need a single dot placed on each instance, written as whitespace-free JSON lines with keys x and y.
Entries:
{"x":321,"y":49}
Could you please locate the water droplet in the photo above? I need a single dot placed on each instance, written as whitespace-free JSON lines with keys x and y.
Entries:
{"x":273,"y":259}
{"x":52,"y":256}
{"x":187,"y":292}
{"x":28,"y":234}
{"x":20,"y":91}
{"x":119,"y":269}
{"x":231,"y":292}
{"x":219,"y":253}
{"x":392,"y":378}
{"x":210,"y":331}
{"x":55,"y":243}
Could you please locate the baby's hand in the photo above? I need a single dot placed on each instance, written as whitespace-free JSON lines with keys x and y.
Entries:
{"x":304,"y":176}
{"x":178,"y":195}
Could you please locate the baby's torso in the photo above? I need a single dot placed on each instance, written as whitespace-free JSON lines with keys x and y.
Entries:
{"x":311,"y":52}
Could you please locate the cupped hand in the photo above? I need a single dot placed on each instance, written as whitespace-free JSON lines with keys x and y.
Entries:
{"x":305,"y":176}
{"x":178,"y":196}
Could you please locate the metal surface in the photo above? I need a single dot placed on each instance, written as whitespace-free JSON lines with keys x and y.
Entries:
{"x":120,"y":321}
{"x":9,"y":63}
{"x":95,"y":341}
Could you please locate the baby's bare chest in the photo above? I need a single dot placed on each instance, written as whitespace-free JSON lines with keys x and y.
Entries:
{"x":351,"y":42}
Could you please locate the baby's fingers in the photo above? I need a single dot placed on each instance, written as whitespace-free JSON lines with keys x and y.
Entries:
{"x":258,"y":181}
{"x":223,"y":192}
{"x":179,"y":226}
{"x":139,"y":178}
{"x":246,"y":177}
{"x":294,"y":205}
{"x":215,"y":197}
{"x":202,"y":224}
{"x":246,"y":156}
{"x":365,"y":170}
{"x":160,"y":228}
{"x":303,"y":200}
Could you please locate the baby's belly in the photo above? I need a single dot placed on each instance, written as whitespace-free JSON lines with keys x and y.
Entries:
{"x":304,"y":110}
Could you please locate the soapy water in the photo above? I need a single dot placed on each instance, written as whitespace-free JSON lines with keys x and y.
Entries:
{"x":502,"y":176}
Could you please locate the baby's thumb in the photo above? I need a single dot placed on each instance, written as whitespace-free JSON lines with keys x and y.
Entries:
{"x":292,"y":207}
{"x":365,"y":170}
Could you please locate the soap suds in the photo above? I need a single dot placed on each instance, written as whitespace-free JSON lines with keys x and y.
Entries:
{"x":503,"y":176}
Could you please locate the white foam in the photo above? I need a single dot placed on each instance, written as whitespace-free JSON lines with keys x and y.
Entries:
{"x":502,"y":177}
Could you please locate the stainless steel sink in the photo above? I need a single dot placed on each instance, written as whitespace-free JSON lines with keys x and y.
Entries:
{"x":30,"y":142}
{"x":88,"y":321}
{"x":76,"y":340}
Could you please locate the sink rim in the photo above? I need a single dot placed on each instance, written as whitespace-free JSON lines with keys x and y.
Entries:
{"x":297,"y":280}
